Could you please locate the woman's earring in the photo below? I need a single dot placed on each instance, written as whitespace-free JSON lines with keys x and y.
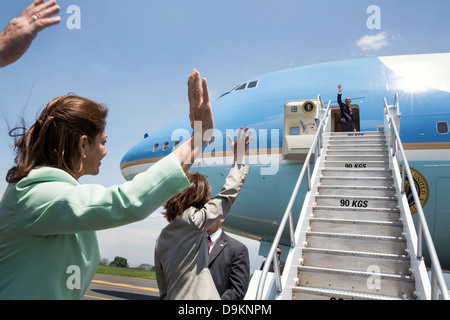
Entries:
{"x":84,"y":156}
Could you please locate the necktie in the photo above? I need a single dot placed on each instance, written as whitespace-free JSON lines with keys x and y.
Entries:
{"x":209,"y":243}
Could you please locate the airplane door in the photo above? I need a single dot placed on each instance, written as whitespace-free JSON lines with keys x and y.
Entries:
{"x":299,"y":127}
{"x":336,"y":118}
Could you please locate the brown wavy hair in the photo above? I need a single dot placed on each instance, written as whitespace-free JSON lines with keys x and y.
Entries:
{"x":196,"y":195}
{"x":53,"y":139}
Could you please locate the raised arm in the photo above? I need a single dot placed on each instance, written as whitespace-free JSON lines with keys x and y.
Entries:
{"x":16,"y":38}
{"x":339,"y":97}
{"x":202,"y":121}
{"x":241,"y":144}
{"x":221,"y":204}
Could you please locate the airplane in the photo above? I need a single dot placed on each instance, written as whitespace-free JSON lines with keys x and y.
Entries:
{"x":281,"y":105}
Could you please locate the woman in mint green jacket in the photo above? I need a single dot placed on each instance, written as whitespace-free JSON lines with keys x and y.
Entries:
{"x":48,"y":244}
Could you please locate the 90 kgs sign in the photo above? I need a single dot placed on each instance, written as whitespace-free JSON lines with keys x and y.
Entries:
{"x":354,"y":203}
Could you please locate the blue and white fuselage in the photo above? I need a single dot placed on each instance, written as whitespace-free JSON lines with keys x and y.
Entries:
{"x":422,"y":83}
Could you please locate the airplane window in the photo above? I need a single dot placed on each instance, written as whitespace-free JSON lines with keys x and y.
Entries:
{"x":295,"y":131}
{"x":211,"y":142}
{"x":155,"y":147}
{"x":247,"y":85}
{"x":175,"y":144}
{"x":252,"y":84}
{"x":165,"y":146}
{"x":241,"y":87}
{"x":442,"y":127}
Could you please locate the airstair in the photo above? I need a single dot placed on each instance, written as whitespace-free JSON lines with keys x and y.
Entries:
{"x":355,"y":238}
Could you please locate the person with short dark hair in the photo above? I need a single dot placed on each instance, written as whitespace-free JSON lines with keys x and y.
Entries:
{"x":347,"y":124}
{"x":279,"y":262}
{"x":229,"y":263}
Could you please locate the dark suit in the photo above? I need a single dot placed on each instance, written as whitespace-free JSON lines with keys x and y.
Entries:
{"x":346,"y":115}
{"x":230,"y":267}
{"x":272,"y":269}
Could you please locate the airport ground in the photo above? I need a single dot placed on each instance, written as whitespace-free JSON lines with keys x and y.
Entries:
{"x":106,"y":287}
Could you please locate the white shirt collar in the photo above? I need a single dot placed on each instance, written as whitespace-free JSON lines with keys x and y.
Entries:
{"x":214,"y":237}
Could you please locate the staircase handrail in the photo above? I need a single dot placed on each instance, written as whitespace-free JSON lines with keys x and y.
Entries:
{"x":316,"y":144}
{"x":438,"y":281}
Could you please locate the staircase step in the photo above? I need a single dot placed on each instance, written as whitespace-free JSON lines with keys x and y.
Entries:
{"x":361,"y":134}
{"x":356,"y":181}
{"x":357,"y":152}
{"x":362,"y":227}
{"x":377,"y":191}
{"x":354,"y":242}
{"x":343,"y":141}
{"x":311,"y":293}
{"x":371,"y":214}
{"x":357,"y":147}
{"x":356,"y":260}
{"x":356,"y":201}
{"x":357,"y":157}
{"x":348,"y":143}
{"x":356,"y":164}
{"x":351,"y":172}
{"x":361,"y":281}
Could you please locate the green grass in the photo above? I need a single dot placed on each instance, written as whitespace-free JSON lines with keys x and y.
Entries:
{"x":127,"y":272}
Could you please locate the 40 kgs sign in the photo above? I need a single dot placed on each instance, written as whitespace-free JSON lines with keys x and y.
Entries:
{"x":421,"y":185}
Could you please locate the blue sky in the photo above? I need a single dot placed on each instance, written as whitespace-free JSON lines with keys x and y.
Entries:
{"x":135,"y":56}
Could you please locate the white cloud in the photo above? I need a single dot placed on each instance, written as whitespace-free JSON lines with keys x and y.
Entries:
{"x":373,"y":43}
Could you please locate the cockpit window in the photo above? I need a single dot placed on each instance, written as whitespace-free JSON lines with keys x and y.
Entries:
{"x":155,"y":147}
{"x":252,"y":84}
{"x":243,"y":86}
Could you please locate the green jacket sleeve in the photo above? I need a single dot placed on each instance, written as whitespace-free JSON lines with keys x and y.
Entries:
{"x":55,"y":203}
